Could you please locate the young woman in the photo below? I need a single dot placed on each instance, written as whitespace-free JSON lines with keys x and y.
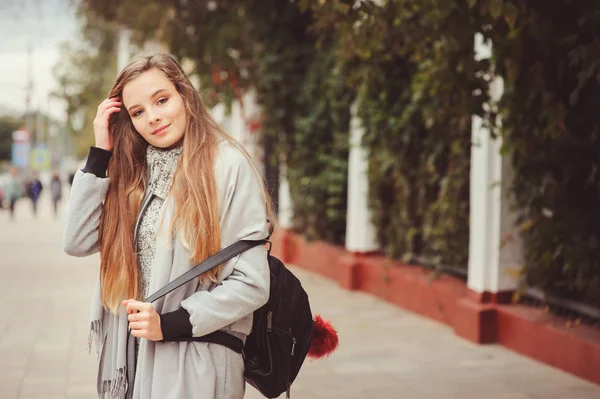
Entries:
{"x":163,"y":188}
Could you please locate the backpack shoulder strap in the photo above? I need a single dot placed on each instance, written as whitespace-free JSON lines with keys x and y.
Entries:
{"x":220,"y":257}
{"x":217,"y":337}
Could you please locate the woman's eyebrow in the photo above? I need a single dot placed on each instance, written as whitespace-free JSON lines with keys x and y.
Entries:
{"x":152,"y":96}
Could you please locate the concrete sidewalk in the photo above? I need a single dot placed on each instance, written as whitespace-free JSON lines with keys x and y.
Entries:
{"x":384,"y":352}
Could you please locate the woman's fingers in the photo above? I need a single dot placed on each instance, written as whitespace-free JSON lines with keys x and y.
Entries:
{"x":138,"y":316}
{"x":138,"y":325}
{"x":105,"y":111}
{"x":142,"y":307}
{"x":107,"y":104}
{"x":110,"y":111}
{"x":133,"y":305}
{"x":112,"y":105}
{"x":144,"y":322}
{"x":111,"y":100}
{"x":125,"y":302}
{"x":138,"y":333}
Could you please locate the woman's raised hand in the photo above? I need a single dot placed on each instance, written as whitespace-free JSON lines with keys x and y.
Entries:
{"x":101,"y":131}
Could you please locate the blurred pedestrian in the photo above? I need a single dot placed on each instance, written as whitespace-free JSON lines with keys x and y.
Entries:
{"x":12,"y":191}
{"x":55,"y":191}
{"x":35,"y":190}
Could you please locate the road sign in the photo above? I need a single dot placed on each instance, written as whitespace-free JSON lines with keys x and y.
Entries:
{"x":20,"y":154}
{"x":40,"y":158}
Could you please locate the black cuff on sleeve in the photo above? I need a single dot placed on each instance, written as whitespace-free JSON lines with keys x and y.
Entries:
{"x":97,"y":161}
{"x":176,"y":325}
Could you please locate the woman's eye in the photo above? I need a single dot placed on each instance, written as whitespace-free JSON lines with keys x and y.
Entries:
{"x":162,"y":100}
{"x":137,"y":113}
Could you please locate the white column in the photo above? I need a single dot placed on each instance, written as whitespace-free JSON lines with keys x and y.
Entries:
{"x":123,"y":48}
{"x":237,"y":123}
{"x":238,"y":128}
{"x":491,"y":267}
{"x":251,"y":112}
{"x":511,"y":250}
{"x":285,"y":206}
{"x":218,"y":113}
{"x":360,"y":232}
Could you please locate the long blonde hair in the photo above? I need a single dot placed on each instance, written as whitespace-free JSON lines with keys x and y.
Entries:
{"x":194,"y":187}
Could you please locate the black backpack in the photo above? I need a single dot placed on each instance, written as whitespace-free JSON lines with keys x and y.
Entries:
{"x":282,"y":330}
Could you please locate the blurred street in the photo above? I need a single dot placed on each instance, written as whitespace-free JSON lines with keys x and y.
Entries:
{"x":384,"y":352}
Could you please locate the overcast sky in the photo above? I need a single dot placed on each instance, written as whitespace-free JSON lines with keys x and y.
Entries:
{"x":47,"y":23}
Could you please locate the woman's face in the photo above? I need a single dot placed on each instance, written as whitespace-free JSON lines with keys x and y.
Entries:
{"x":155,"y":108}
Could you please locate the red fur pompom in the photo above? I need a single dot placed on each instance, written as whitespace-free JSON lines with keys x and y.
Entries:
{"x":324,"y":340}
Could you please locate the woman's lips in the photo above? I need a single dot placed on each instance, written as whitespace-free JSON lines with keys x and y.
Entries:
{"x":160,"y":130}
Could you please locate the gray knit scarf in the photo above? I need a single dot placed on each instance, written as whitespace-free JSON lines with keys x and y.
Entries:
{"x":109,"y":331}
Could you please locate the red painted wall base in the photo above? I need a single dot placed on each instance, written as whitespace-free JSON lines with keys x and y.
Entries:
{"x":480,"y":318}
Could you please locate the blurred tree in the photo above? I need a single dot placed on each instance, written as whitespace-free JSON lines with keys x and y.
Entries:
{"x":265,"y":45}
{"x":548,"y":53}
{"x":8,"y":124}
{"x":85,"y":74}
{"x":419,"y":85}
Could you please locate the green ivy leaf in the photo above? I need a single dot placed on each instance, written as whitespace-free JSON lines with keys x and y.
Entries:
{"x":495,"y":8}
{"x":510,"y":14}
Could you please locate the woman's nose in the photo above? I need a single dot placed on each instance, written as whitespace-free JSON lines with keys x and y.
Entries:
{"x":154,"y":118}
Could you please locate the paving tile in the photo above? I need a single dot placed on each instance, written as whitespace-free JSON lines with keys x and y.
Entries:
{"x":385,"y":352}
{"x":42,"y":387}
{"x":83,"y":391}
{"x":9,"y":387}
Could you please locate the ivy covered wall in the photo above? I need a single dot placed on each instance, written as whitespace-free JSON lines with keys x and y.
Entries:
{"x":411,"y":68}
